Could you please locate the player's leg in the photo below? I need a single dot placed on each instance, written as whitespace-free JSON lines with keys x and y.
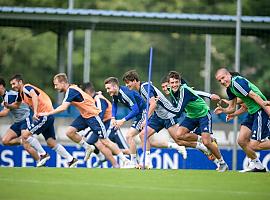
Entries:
{"x":107,"y":153}
{"x":117,"y":137}
{"x":72,"y":133}
{"x":46,"y":127}
{"x":11,"y":138}
{"x":98,"y":128}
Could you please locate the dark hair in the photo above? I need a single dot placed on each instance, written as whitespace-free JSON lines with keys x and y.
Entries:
{"x":88,"y":86}
{"x":235,"y":73}
{"x":2,"y":82}
{"x":164,"y":79}
{"x":174,"y":74}
{"x":18,"y":77}
{"x":131,"y":75}
{"x":111,"y":80}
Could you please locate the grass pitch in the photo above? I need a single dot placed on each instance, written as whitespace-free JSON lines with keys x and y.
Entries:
{"x":129,"y":184}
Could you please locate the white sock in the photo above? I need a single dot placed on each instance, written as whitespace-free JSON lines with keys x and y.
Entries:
{"x":101,"y":156}
{"x":84,"y":144}
{"x":36,"y":145}
{"x":201,"y":146}
{"x":63,"y":152}
{"x":121,"y":156}
{"x":216,"y":162}
{"x":133,"y":158}
{"x":147,"y":156}
{"x":172,"y":145}
{"x":199,"y":139}
{"x":221,"y":161}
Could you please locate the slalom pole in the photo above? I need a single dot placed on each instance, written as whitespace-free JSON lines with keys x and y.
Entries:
{"x":147,"y":104}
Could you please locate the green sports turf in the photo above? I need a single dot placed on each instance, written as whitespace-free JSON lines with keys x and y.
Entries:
{"x":117,"y":184}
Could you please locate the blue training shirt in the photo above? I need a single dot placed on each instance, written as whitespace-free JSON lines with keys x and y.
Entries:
{"x":130,"y":99}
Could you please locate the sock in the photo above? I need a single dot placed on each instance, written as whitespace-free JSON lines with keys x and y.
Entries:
{"x":101,"y":156}
{"x":84,"y":144}
{"x":121,"y":156}
{"x":199,"y":139}
{"x":63,"y":152}
{"x":221,"y":161}
{"x":201,"y":146}
{"x":216,"y":162}
{"x":147,"y":156}
{"x":133,"y":158}
{"x":172,"y":145}
{"x":36,"y":145}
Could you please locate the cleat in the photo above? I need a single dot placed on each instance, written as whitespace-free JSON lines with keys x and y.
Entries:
{"x":182,"y":150}
{"x":90,"y":149}
{"x":223,"y":167}
{"x":148,"y":165}
{"x":73,"y":163}
{"x":252,"y":170}
{"x":43,"y":159}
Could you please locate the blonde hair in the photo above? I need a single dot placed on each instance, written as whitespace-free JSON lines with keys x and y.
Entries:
{"x":61,"y":77}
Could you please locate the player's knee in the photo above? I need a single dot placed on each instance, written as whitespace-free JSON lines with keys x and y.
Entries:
{"x":5,"y":141}
{"x":206,"y":142}
{"x":242,"y":142}
{"x":70,"y":133}
{"x":25,"y":135}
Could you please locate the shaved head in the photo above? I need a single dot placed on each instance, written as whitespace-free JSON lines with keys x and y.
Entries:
{"x":222,"y":71}
{"x":224,"y":77}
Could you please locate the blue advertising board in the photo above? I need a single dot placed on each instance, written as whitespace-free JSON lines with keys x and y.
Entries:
{"x":16,"y":156}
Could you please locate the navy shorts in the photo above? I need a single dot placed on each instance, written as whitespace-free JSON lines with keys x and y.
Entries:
{"x":201,"y":124}
{"x":156,"y":123}
{"x":17,"y":127}
{"x":95,"y":124}
{"x":259,"y":124}
{"x":44,"y":125}
{"x":137,"y":123}
{"x":114,"y":135}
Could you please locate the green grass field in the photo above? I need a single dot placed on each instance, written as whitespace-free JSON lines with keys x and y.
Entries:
{"x":117,"y":184}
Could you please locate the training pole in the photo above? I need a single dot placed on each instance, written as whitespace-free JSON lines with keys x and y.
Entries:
{"x":147,"y":105}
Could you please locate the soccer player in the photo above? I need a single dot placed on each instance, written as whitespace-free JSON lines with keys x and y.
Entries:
{"x":133,"y":101}
{"x":89,"y":116}
{"x":254,"y":130}
{"x":21,"y":118}
{"x":160,"y":113}
{"x":39,"y":102}
{"x":115,"y":135}
{"x":198,"y":116}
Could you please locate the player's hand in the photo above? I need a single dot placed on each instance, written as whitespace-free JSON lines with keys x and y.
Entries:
{"x":35,"y":117}
{"x":229,"y":117}
{"x":143,"y":124}
{"x":43,"y":114}
{"x":215,"y":97}
{"x":119,"y":123}
{"x":218,"y":110}
{"x":113,"y":121}
{"x":224,"y":103}
{"x":266,"y":103}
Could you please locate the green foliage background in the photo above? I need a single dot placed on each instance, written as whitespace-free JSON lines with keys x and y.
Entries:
{"x":113,"y":53}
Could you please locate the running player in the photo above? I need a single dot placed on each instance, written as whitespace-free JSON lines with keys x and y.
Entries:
{"x":254,"y":130}
{"x":39,"y":101}
{"x":160,"y":113}
{"x":89,"y":116}
{"x":197,"y":117}
{"x":133,"y":101}
{"x":21,"y":118}
{"x":115,"y":135}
